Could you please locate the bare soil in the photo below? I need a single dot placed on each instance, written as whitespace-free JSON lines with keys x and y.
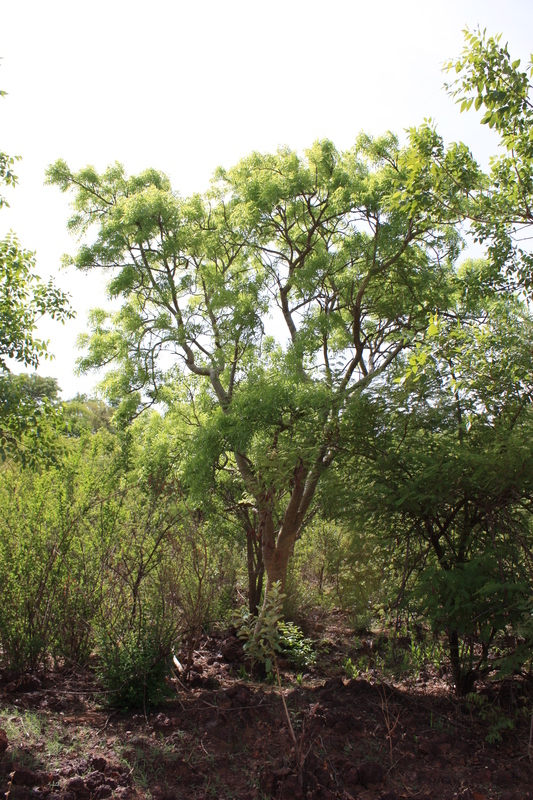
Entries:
{"x":226,"y":736}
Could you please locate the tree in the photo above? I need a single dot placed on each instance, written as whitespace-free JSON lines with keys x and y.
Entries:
{"x":24,"y":299}
{"x":350,"y":252}
{"x":448,"y":476}
{"x":502,"y":213}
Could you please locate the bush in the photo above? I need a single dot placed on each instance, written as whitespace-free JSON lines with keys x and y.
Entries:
{"x":36,"y":533}
{"x":134,"y":668}
{"x":336,"y":566}
{"x":294,"y":646}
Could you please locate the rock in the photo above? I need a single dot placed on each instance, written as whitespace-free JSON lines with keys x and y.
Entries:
{"x":351,"y":779}
{"x":501,"y":778}
{"x":77,"y":785}
{"x":123,"y":792}
{"x":232,"y":650}
{"x":94,"y":780}
{"x":162,"y":723}
{"x":429,"y":747}
{"x":359,"y":686}
{"x":27,"y":683}
{"x":102,"y":791}
{"x":98,"y":763}
{"x":25,"y":777}
{"x":334,"y":685}
{"x":3,"y":741}
{"x":370,"y":772}
{"x":290,"y":789}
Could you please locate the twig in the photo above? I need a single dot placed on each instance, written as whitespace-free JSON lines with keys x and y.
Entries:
{"x":287,"y":717}
{"x":391,"y":727}
{"x":10,"y":784}
{"x":203,"y":748}
{"x":530,"y":746}
{"x":106,"y":723}
{"x":332,"y":765}
{"x":297,"y":749}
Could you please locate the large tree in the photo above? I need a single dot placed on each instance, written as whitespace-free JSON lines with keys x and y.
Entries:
{"x":294,"y":283}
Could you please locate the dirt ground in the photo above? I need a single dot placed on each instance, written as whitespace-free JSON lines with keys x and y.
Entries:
{"x":226,"y":736}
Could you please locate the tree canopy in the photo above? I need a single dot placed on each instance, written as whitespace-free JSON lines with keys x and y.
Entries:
{"x":348,"y":253}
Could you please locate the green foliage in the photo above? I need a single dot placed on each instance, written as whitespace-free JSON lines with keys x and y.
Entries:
{"x":351,"y":669}
{"x":7,"y":162}
{"x":31,"y":418}
{"x":355,"y":248}
{"x":28,"y":413}
{"x":399,"y":655}
{"x":449,"y":477}
{"x":39,"y":570}
{"x":133,"y":669}
{"x":261,"y":634}
{"x":337,"y":566}
{"x":294,"y":646}
{"x":24,"y":299}
{"x":83,"y":414}
{"x":101,"y":552}
{"x":490,"y":80}
{"x":493,"y":714}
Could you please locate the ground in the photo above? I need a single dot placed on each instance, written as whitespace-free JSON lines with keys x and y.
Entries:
{"x":225,"y":735}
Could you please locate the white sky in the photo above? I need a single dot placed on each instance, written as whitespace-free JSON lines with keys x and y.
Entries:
{"x":185,"y":86}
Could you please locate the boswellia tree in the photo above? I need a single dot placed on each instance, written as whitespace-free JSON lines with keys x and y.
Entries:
{"x":346,"y":255}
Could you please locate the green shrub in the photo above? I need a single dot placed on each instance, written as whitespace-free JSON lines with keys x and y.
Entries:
{"x":294,"y":646}
{"x":133,"y":669}
{"x":260,"y":633}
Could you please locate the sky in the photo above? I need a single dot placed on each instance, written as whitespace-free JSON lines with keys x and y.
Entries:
{"x":186,"y":86}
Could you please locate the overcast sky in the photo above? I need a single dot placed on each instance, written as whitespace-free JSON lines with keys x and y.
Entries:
{"x":186,"y":86}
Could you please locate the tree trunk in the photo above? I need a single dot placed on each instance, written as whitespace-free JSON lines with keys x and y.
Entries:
{"x":256,"y":569}
{"x":277,"y":537}
{"x":464,"y":679}
{"x":455,"y":660}
{"x":277,"y":546}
